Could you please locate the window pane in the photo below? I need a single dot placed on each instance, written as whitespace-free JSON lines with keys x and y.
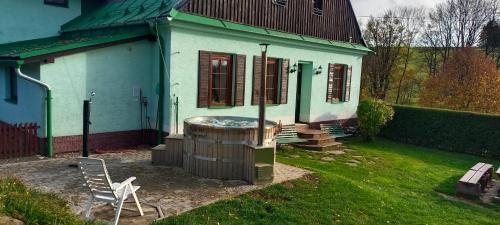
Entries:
{"x":215,"y":81}
{"x":270,"y":81}
{"x":223,"y":81}
{"x":215,"y":66}
{"x":223,"y":95}
{"x":215,"y":95}
{"x":224,"y":66}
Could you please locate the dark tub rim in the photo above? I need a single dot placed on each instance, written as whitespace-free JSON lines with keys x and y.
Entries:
{"x":190,"y":122}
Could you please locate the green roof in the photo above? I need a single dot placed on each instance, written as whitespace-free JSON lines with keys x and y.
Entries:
{"x":127,"y":19}
{"x":36,"y":47}
{"x":122,"y":13}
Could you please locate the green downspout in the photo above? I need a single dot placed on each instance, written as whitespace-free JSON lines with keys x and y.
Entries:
{"x":48,"y":109}
{"x":161,"y":97}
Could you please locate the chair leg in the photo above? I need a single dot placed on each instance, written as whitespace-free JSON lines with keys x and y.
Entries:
{"x":119,"y":207}
{"x":89,"y":207}
{"x":137,"y":201}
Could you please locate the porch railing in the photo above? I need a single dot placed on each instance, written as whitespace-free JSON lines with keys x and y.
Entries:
{"x":18,"y":140}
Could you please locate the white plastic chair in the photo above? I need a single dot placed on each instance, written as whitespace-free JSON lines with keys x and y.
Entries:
{"x":97,"y":179}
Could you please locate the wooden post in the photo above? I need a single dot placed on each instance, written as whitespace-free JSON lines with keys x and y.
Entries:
{"x":86,"y":123}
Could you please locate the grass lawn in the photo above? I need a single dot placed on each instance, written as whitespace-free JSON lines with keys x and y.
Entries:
{"x":394,"y":184}
{"x":33,"y":207}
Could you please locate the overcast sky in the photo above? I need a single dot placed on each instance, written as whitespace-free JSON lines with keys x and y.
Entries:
{"x":376,"y":7}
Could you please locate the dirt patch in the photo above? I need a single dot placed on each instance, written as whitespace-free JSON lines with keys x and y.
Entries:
{"x":312,"y":179}
{"x":459,"y":199}
{"x":269,"y":197}
{"x":288,"y":185}
{"x":490,"y":196}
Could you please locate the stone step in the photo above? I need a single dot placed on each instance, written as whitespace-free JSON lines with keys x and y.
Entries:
{"x":323,"y":147}
{"x":313,"y":134}
{"x":301,"y":127}
{"x":320,"y":141}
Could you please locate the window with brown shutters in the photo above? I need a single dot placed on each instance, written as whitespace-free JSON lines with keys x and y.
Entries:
{"x":221,"y":79}
{"x":335,"y":84}
{"x":276,"y":80}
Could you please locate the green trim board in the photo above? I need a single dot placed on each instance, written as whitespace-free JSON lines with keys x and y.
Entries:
{"x":37,"y":47}
{"x":186,"y":17}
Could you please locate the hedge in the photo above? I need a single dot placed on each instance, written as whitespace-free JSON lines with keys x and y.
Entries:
{"x":465,"y":132}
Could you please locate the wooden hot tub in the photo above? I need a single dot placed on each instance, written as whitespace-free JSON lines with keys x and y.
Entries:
{"x":225,"y":148}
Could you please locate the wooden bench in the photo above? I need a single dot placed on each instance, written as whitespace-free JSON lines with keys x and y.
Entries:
{"x":288,"y":135}
{"x":334,"y":130}
{"x":475,"y":180}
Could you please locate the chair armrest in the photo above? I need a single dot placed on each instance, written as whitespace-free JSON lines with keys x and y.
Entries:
{"x":125,"y":183}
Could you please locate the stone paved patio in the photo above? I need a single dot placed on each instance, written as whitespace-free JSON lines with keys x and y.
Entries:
{"x":171,"y":189}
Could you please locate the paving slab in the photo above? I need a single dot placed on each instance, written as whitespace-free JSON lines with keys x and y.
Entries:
{"x":168,"y":188}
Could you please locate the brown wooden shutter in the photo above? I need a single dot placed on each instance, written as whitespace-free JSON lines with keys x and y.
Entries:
{"x":284,"y":81}
{"x":240,"y":80}
{"x":257,"y":70}
{"x":203,"y":79}
{"x":347,"y":89}
{"x":329,"y":83}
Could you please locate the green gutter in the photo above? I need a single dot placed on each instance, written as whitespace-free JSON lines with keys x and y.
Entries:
{"x":161,"y":97}
{"x":48,"y":109}
{"x":190,"y":18}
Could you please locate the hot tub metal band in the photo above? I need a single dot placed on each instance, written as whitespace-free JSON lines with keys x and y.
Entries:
{"x":224,"y":142}
{"x":213,"y":159}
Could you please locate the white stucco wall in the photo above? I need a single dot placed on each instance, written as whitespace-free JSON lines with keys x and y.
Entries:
{"x":189,"y":39}
{"x":30,"y":19}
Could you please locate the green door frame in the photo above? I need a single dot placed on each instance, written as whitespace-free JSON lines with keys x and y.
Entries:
{"x":305,"y":90}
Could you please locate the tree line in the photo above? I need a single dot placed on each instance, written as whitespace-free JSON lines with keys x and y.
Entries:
{"x":446,"y":57}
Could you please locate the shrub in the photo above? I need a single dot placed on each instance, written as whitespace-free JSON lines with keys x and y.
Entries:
{"x":455,"y":131}
{"x":372,"y":116}
{"x":469,"y":81}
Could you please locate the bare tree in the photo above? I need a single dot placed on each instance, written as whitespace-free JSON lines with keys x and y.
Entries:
{"x":385,"y":36}
{"x":455,"y":24}
{"x":412,"y":20}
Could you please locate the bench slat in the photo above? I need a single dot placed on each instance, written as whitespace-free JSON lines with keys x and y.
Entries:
{"x":468,"y":176}
{"x":485,"y":168}
{"x":475,"y":179}
{"x":477,"y":166}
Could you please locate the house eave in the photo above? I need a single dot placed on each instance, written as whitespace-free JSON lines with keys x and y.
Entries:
{"x":181,"y":17}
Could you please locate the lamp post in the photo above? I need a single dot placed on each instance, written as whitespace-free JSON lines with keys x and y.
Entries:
{"x":262,"y":97}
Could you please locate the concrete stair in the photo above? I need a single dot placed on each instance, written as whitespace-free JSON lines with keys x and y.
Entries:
{"x":317,"y":140}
